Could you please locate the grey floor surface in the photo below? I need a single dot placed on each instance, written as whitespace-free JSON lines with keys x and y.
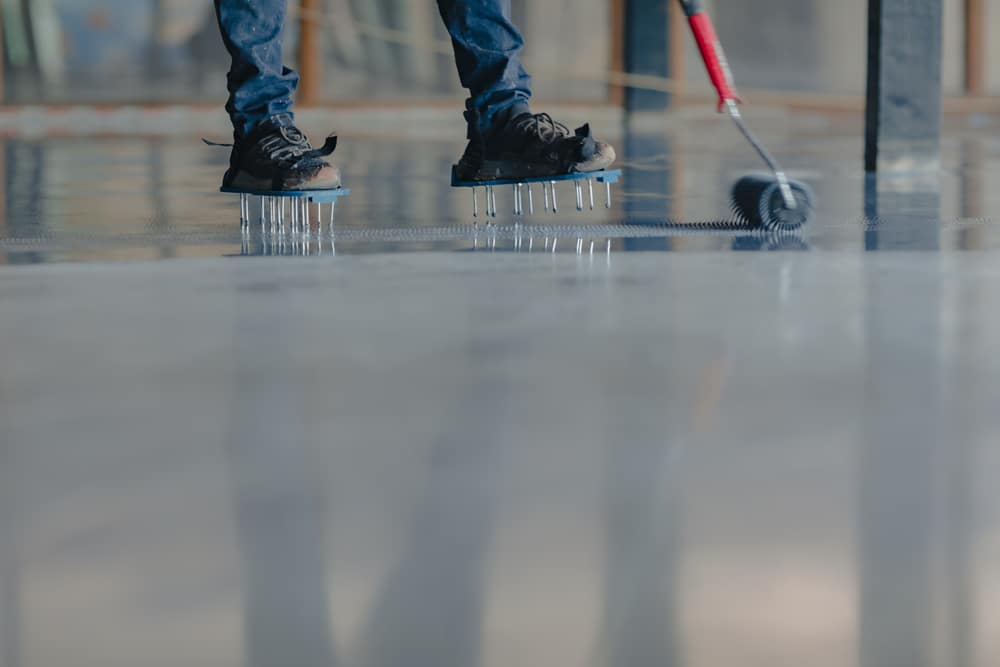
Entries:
{"x":429,"y":451}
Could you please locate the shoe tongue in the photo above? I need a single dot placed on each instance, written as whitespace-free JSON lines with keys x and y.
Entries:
{"x":283,"y":123}
{"x":280,"y":120}
{"x":514,"y":120}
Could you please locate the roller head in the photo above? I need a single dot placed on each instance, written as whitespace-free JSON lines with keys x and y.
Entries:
{"x":758,"y":202}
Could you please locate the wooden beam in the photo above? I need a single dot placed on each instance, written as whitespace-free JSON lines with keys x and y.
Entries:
{"x":677,"y":31}
{"x":616,"y":92}
{"x":975,"y":47}
{"x":310,"y":60}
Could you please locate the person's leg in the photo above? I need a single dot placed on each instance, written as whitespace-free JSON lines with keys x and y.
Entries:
{"x":505,"y":139}
{"x":269,"y":152}
{"x":487,"y":52}
{"x":260,"y":86}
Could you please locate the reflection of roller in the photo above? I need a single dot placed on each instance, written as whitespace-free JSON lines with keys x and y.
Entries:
{"x":772,"y":203}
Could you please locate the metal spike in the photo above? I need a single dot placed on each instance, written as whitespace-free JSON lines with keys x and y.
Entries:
{"x":531,"y":200}
{"x":579,"y":195}
{"x":531,"y":243}
{"x":591,"y":248}
{"x":306,"y":206}
{"x":555,"y":204}
{"x":475,"y":202}
{"x":333,"y":208}
{"x":590,"y":186}
{"x":493,"y":199}
{"x":608,"y":184}
{"x":555,"y":240}
{"x":545,"y":191}
{"x":579,"y":246}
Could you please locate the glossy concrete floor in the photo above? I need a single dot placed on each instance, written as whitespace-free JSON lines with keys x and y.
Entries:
{"x":427,"y":450}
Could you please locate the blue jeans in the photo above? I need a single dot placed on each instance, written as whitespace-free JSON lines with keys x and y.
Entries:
{"x":487,"y":52}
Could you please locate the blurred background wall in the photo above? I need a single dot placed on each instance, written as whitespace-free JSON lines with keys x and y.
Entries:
{"x":155,"y":51}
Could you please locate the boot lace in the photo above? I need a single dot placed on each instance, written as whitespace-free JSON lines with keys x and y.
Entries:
{"x":288,"y":144}
{"x":542,"y":126}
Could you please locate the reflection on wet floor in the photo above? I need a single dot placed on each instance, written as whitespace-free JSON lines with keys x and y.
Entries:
{"x":483,"y":457}
{"x":90,"y":199}
{"x":449,"y":459}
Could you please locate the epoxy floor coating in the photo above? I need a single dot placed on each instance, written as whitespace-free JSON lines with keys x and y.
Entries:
{"x":421,"y":452}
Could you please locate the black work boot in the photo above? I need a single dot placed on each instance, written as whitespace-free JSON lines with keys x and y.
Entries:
{"x":530,"y":146}
{"x":276,"y":156}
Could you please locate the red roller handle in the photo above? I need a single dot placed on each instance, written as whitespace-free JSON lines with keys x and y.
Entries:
{"x":714,"y":57}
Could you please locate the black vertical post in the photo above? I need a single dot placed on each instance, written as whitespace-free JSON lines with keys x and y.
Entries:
{"x":904,"y":84}
{"x":647,"y":50}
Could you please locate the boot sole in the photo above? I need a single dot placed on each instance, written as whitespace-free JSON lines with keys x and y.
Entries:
{"x":327,"y":178}
{"x":513,"y":169}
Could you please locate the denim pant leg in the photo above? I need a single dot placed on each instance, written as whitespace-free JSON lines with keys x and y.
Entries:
{"x":260,"y":85}
{"x":487,"y":52}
